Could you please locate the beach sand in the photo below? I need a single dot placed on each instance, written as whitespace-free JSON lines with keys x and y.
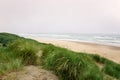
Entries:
{"x":107,"y":51}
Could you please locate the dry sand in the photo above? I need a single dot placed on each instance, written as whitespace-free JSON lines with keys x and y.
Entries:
{"x":30,"y":73}
{"x":109,"y":52}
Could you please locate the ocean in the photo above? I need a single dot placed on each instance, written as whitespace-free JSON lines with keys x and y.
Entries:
{"x":106,"y":39}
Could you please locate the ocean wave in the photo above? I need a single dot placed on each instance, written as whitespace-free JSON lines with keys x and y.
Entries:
{"x":108,"y":39}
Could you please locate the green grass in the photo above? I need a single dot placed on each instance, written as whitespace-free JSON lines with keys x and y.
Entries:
{"x":17,"y":52}
{"x":69,"y":65}
{"x":26,"y":50}
{"x":6,"y":38}
{"x":8,"y":62}
{"x":109,"y":67}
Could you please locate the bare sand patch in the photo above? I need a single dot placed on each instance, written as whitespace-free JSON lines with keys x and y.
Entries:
{"x":30,"y":73}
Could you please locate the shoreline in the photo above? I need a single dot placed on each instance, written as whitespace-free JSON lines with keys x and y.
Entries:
{"x":104,"y":39}
{"x":107,"y":51}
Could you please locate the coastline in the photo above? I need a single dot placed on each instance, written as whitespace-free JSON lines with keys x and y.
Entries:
{"x":107,"y":51}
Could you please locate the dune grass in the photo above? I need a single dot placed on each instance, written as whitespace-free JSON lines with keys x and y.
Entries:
{"x":25,"y":50}
{"x":9,"y":62}
{"x":17,"y":52}
{"x":6,"y":38}
{"x":109,"y":67}
{"x":69,"y":65}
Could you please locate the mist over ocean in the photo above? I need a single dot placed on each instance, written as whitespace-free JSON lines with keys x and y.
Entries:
{"x":107,"y":39}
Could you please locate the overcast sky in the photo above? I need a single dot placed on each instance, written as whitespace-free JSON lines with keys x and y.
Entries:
{"x":60,"y":16}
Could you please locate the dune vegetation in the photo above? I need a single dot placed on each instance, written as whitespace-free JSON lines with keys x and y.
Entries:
{"x":17,"y":52}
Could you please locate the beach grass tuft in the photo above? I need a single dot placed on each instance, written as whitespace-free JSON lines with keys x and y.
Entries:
{"x":109,"y":67}
{"x":70,"y":65}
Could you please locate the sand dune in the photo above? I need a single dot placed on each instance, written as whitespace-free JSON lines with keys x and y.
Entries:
{"x":110,"y":52}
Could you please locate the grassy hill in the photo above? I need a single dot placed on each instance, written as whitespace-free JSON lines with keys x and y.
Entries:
{"x":17,"y":52}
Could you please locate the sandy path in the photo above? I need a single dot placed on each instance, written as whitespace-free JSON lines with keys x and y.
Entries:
{"x":30,"y":73}
{"x":110,"y":52}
